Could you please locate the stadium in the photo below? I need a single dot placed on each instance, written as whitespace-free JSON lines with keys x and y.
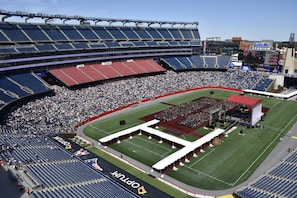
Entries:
{"x":103,"y":107}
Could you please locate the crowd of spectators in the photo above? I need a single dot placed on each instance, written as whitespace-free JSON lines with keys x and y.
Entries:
{"x":203,"y":115}
{"x":62,"y":111}
{"x":195,"y":119}
{"x":184,"y":109}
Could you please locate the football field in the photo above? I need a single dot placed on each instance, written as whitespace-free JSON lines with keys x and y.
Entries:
{"x":222,"y":166}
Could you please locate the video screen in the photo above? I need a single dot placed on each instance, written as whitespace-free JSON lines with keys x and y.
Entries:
{"x":253,"y":58}
{"x":260,"y":58}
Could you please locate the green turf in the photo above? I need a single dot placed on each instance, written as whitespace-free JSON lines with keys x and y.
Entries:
{"x":220,"y":167}
{"x":111,"y":125}
{"x":153,"y":153}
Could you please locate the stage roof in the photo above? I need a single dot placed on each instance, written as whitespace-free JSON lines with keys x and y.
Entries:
{"x":248,"y":101}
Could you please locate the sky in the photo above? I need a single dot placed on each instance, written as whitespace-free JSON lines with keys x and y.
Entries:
{"x":253,"y":20}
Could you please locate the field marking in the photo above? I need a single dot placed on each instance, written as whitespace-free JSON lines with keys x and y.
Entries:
{"x":264,"y":150}
{"x":99,"y":129}
{"x":201,"y":158}
{"x":272,"y":128}
{"x":150,"y":142}
{"x":166,"y":154}
{"x":182,"y":137}
{"x":275,"y":104}
{"x":136,"y":145}
{"x":212,"y":177}
{"x":115,"y":117}
{"x":111,"y":132}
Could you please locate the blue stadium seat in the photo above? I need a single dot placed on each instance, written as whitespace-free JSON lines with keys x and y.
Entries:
{"x":6,"y":98}
{"x":197,"y":61}
{"x":186,"y":62}
{"x":143,"y":34}
{"x":7,"y":50}
{"x":45,"y":47}
{"x":13,"y":32}
{"x":3,"y":38}
{"x":25,"y":49}
{"x":63,"y":46}
{"x":116,"y":33}
{"x":53,"y":32}
{"x":34,"y":32}
{"x":112,"y":44}
{"x":98,"y":45}
{"x":30,"y":81}
{"x":165,"y":34}
{"x":263,"y":84}
{"x":9,"y":85}
{"x":154,"y":34}
{"x":175,"y":33}
{"x":87,"y":33}
{"x":140,"y":44}
{"x":210,"y":61}
{"x":187,"y":34}
{"x":183,"y":43}
{"x":71,"y":33}
{"x":102,"y":33}
{"x":80,"y":46}
{"x":129,"y":33}
{"x":224,"y":61}
{"x":173,"y":43}
{"x":174,"y":63}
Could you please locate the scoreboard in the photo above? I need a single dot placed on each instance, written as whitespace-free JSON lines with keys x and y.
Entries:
{"x":261,"y":55}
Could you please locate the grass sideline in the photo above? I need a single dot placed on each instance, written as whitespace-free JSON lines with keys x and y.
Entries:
{"x":235,"y":159}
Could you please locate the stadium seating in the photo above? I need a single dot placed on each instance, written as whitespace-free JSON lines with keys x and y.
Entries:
{"x":197,"y":62}
{"x":53,"y":171}
{"x":224,"y":61}
{"x":13,"y":32}
{"x":17,"y":85}
{"x":280,"y":181}
{"x":64,"y":35}
{"x":81,"y":74}
{"x":263,"y":84}
{"x":210,"y":61}
{"x":174,"y":63}
{"x":98,"y":188}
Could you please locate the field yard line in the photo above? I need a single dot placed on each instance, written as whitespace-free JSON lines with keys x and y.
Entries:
{"x":275,"y":104}
{"x":272,"y":128}
{"x":202,"y":158}
{"x":165,"y":154}
{"x":264,"y":151}
{"x":182,"y":137}
{"x":142,"y":148}
{"x":230,"y":184}
{"x":99,"y":129}
{"x":126,"y":113}
{"x":114,"y":131}
{"x":153,"y":143}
